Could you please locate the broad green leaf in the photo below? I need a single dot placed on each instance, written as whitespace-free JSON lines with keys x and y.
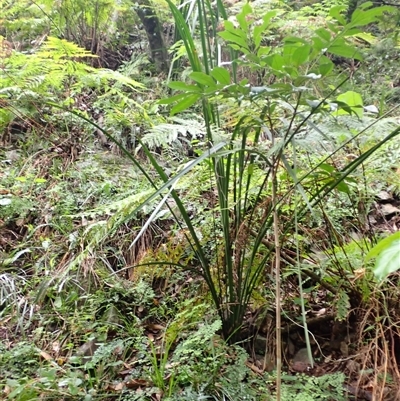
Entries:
{"x":295,"y":40}
{"x":228,"y":25}
{"x":325,"y":68}
{"x":276,"y":62}
{"x":319,"y":45}
{"x":185,"y":103}
{"x":343,"y":187}
{"x":382,"y":245}
{"x":367,"y":37}
{"x":241,"y":17}
{"x":324,"y":34}
{"x":234,"y":38}
{"x":172,"y":99}
{"x":244,"y":50}
{"x":260,"y":29}
{"x":351,"y":98}
{"x":335,"y":12}
{"x":221,"y":75}
{"x":289,"y":49}
{"x":269,"y":15}
{"x":202,"y":78}
{"x":326,"y":167}
{"x":351,"y":32}
{"x":333,"y":27}
{"x":252,"y":58}
{"x":345,"y":50}
{"x":301,"y":54}
{"x":182,"y":86}
{"x":257,"y":34}
{"x":344,"y":109}
{"x":293,"y":73}
{"x":362,"y":18}
{"x":388,"y":261}
{"x":263,"y":51}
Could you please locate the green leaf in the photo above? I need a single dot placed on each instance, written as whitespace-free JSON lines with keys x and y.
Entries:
{"x":382,"y":245}
{"x":182,"y":86}
{"x":388,"y":261}
{"x":259,"y":30}
{"x":185,"y":103}
{"x":335,"y":12}
{"x":202,"y":78}
{"x":185,"y":34}
{"x":351,"y":98}
{"x":263,"y":51}
{"x":326,"y":167}
{"x":319,"y":44}
{"x":295,"y":40}
{"x":325,"y":68}
{"x":301,"y":54}
{"x":235,"y":38}
{"x":58,"y":302}
{"x":343,"y":187}
{"x":367,"y":37}
{"x":221,"y":75}
{"x":362,"y":18}
{"x":333,"y":27}
{"x":324,"y":34}
{"x":342,"y":49}
{"x":351,"y":32}
{"x":241,"y":17}
{"x":39,"y":180}
{"x":276,"y":62}
{"x":172,"y":99}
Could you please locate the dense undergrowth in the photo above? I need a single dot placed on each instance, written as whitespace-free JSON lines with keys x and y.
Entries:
{"x":209,"y":237}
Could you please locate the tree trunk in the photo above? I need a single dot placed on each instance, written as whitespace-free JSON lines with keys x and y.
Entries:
{"x":153,"y":28}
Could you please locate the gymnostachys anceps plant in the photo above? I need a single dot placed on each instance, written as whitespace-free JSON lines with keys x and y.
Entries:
{"x":244,"y":169}
{"x":296,"y":64}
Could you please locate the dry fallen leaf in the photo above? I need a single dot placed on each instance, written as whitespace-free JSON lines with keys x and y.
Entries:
{"x":46,"y":356}
{"x":136,"y":383}
{"x":254,"y":368}
{"x":359,"y":273}
{"x":155,"y":327}
{"x":119,"y":386}
{"x":320,"y":312}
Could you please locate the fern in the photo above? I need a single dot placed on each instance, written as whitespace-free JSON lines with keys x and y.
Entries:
{"x":57,"y":49}
{"x":330,"y":131}
{"x":168,"y":133}
{"x":196,"y":343}
{"x":54,"y":74}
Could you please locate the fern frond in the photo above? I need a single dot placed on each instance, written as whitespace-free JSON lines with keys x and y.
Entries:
{"x":109,"y":75}
{"x":331,"y":131}
{"x":56,"y":49}
{"x":168,"y":133}
{"x":124,"y":206}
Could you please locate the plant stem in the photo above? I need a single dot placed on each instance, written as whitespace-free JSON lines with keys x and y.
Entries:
{"x":277,"y":283}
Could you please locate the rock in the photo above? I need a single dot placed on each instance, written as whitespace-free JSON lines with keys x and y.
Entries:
{"x":302,"y":357}
{"x":388,"y":209}
{"x":383,"y":195}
